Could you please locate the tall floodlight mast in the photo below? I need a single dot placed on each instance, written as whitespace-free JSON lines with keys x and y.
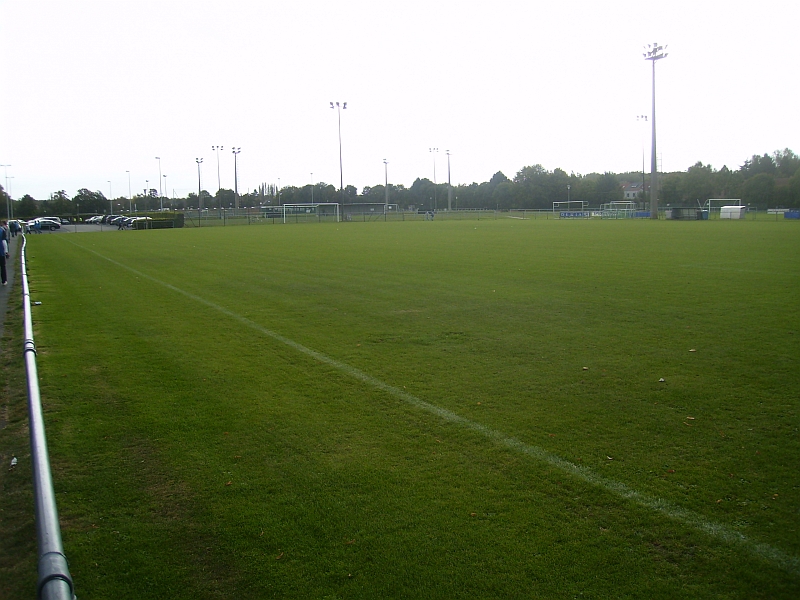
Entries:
{"x":653,"y":54}
{"x":339,"y":109}
{"x":160,"y":189}
{"x":434,"y":151}
{"x":199,"y":188}
{"x":449,"y":187}
{"x":236,"y":177}
{"x":386,"y":186}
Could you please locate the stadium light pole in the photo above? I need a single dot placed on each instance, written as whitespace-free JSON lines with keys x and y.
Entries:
{"x":199,"y":161}
{"x":434,"y":151}
{"x":449,"y":186}
{"x":8,"y":195}
{"x":386,"y":186}
{"x":339,"y":109}
{"x":654,"y":53}
{"x":217,"y":149}
{"x":312,"y":188}
{"x":165,"y":191}
{"x":130,"y":196}
{"x":158,"y":158}
{"x":236,"y":177}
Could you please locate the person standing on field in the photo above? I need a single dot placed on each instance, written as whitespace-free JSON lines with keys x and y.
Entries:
{"x":3,"y":252}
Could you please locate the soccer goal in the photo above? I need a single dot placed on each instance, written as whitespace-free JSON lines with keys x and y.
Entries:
{"x":572,"y":209}
{"x":711,"y":203}
{"x":322,"y":211}
{"x":619,"y":209}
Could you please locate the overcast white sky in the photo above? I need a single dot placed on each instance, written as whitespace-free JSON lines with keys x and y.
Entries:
{"x":95,"y":88}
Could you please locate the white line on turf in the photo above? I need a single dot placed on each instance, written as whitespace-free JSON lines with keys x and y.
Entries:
{"x":717,"y":530}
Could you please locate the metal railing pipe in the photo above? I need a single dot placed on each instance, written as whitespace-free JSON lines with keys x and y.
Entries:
{"x":55,"y":582}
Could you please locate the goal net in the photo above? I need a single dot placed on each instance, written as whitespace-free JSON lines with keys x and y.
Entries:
{"x":572,"y":209}
{"x":619,"y":209}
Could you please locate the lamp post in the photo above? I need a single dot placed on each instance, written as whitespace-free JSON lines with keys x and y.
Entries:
{"x":130,"y":197}
{"x":449,"y":187}
{"x":434,"y":152}
{"x":654,"y":53}
{"x":158,"y":158}
{"x":165,"y":190}
{"x":236,"y":177}
{"x":568,"y":198}
{"x":217,"y":149}
{"x":339,"y":109}
{"x":110,"y":201}
{"x":199,"y":161}
{"x":8,"y":195}
{"x":386,"y":185}
{"x":312,"y":188}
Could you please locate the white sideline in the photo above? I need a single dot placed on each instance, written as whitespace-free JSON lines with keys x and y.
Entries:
{"x":720,"y":531}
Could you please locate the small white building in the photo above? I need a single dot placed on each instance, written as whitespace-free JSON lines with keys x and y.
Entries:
{"x":732,"y":212}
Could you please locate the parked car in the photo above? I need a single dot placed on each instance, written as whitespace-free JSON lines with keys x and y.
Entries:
{"x":94,"y":220}
{"x":50,"y":223}
{"x":64,"y":221}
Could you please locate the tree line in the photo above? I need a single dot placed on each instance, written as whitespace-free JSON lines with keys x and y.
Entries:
{"x":771,"y":180}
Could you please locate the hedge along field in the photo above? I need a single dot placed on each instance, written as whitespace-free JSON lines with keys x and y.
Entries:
{"x":429,"y":409}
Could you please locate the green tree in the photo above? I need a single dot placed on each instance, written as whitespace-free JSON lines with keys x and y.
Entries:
{"x":91,"y":202}
{"x":26,"y":208}
{"x":758,"y":190}
{"x":698,"y":184}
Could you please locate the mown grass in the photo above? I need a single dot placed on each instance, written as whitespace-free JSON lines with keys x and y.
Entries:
{"x":196,"y":455}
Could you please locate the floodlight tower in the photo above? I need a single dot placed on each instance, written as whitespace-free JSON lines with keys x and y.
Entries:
{"x":8,"y":196}
{"x":236,"y":177}
{"x":199,"y":161}
{"x":654,"y":53}
{"x":158,"y":158}
{"x":130,"y":196}
{"x":386,"y":186}
{"x":449,"y":187}
{"x":217,"y":149}
{"x":339,"y":109}
{"x":434,"y":151}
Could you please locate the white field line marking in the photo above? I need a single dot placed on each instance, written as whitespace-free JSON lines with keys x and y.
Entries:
{"x":687,"y":517}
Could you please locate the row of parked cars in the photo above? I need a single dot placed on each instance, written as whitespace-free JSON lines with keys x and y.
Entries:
{"x":51,"y":223}
{"x":116,"y":220}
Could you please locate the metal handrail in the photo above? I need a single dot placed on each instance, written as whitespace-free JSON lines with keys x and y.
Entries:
{"x":55,"y":582}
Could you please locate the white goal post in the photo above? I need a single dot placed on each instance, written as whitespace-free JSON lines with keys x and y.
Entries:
{"x":310,"y":208}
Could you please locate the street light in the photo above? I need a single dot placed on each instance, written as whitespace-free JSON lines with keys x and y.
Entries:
{"x":654,"y":53}
{"x":130,"y":197}
{"x":312,"y":188}
{"x":110,"y":201}
{"x":568,"y":199}
{"x":199,"y":196}
{"x":8,"y":194}
{"x":236,"y":177}
{"x":434,"y":151}
{"x":162,"y":197}
{"x":217,"y":149}
{"x":158,"y":158}
{"x":449,"y":187}
{"x":339,"y":109}
{"x":386,"y":186}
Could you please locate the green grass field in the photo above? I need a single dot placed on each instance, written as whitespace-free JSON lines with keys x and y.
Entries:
{"x":457,"y":409}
